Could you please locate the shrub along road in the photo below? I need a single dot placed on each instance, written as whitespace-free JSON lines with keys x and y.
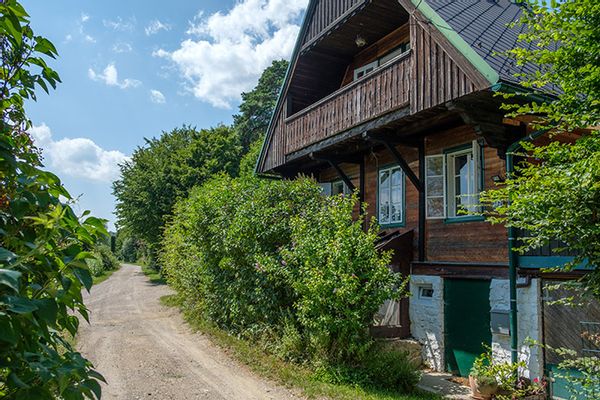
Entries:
{"x":145,"y":350}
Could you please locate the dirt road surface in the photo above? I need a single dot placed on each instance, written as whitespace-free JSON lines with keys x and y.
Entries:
{"x":146,"y":351}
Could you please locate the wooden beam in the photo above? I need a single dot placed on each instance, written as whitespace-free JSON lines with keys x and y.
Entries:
{"x":337,"y":169}
{"x":402,"y":163}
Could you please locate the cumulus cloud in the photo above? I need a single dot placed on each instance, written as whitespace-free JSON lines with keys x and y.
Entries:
{"x":157,"y":97}
{"x":110,"y":77}
{"x":156,"y":26}
{"x":77,"y":157}
{"x":119,"y":24}
{"x":228,"y":51}
{"x":84,"y":17}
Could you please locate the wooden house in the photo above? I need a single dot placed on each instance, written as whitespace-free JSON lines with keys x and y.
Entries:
{"x":396,"y":99}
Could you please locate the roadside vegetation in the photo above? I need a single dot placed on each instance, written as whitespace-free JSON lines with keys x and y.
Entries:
{"x":45,"y":247}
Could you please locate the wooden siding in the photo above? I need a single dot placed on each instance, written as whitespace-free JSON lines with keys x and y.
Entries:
{"x":327,"y":12}
{"x":468,"y":242}
{"x":437,"y":77}
{"x":379,"y":93}
{"x":275,"y":155}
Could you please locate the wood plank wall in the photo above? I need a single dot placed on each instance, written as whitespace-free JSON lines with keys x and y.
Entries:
{"x":381,"y":92}
{"x":327,"y":12}
{"x":275,"y":155}
{"x":437,"y":77}
{"x":469,"y":242}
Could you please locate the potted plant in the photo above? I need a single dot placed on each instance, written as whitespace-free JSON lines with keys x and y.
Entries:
{"x":526,"y":389}
{"x":482,"y":378}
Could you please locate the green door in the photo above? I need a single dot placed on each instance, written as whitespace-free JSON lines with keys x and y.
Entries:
{"x":467,"y":322}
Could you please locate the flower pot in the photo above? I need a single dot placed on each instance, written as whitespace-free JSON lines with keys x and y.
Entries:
{"x":482,"y":391}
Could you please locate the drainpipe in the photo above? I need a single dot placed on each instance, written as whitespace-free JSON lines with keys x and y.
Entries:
{"x":513,"y":259}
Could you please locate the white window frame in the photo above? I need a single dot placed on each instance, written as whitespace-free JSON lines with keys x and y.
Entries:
{"x":365,"y":69}
{"x":402,"y":187}
{"x":449,"y":181}
{"x":430,"y":196}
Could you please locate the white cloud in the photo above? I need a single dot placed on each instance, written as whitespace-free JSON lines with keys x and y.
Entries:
{"x":157,"y":97}
{"x":120,"y":24}
{"x":77,"y":157}
{"x":156,"y":26}
{"x":122,"y":47}
{"x":84,"y":17}
{"x":110,"y":77}
{"x":89,"y":39}
{"x":231,"y":50}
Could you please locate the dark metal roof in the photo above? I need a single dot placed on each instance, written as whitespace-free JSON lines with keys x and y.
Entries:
{"x":484,"y":25}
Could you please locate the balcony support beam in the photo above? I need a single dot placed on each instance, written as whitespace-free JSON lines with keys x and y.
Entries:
{"x":334,"y":164}
{"x":401,"y":162}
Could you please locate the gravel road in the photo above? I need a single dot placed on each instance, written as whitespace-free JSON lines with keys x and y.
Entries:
{"x":146,"y":351}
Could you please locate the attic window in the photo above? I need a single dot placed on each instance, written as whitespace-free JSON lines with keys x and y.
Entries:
{"x":372,"y":66}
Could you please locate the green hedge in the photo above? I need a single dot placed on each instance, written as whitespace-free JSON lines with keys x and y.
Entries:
{"x":277,"y":260}
{"x":104,"y":260}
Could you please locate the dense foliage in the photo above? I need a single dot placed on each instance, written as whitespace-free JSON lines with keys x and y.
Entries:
{"x":555,"y":192}
{"x":166,"y":169}
{"x":43,"y":244}
{"x":278,"y":258}
{"x":104,"y":260}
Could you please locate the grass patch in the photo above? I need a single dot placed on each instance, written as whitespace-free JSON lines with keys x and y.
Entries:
{"x":286,"y":374}
{"x":153,"y":275}
{"x":105,"y":275}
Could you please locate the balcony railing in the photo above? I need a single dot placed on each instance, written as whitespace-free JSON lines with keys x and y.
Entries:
{"x":378,"y":93}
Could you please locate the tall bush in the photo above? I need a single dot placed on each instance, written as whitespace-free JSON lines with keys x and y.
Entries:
{"x":43,"y":244}
{"x":253,"y":256}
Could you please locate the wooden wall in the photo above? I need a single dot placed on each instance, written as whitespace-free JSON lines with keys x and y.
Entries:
{"x":468,"y":242}
{"x":275,"y":155}
{"x":440,"y":73}
{"x":326,"y":13}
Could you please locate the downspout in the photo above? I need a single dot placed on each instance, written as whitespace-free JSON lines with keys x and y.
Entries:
{"x":513,"y":260}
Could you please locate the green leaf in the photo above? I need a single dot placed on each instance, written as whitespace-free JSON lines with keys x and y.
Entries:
{"x":47,"y":310}
{"x":10,"y":278}
{"x":94,"y":386}
{"x":7,"y":332}
{"x":18,"y":305}
{"x":84,"y":277}
{"x":7,"y":256}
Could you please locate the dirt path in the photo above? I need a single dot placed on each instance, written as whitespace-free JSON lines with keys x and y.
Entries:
{"x":146,"y":351}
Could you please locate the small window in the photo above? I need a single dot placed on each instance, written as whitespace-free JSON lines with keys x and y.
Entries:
{"x":334,"y":188}
{"x":403,"y":48}
{"x":391,"y":196}
{"x":365,"y":70}
{"x":339,"y":187}
{"x":425,"y":292}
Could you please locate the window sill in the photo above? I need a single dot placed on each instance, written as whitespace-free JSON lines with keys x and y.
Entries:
{"x":466,"y":218}
{"x":394,"y":225}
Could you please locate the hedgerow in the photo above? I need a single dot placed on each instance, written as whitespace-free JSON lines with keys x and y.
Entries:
{"x":277,"y":260}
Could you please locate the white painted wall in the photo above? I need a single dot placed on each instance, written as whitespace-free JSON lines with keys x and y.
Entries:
{"x":427,"y":319}
{"x":529,"y":306}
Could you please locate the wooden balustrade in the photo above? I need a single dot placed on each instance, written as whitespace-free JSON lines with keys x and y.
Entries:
{"x":378,"y":93}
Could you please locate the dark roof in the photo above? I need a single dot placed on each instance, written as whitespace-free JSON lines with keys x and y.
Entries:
{"x":484,"y":25}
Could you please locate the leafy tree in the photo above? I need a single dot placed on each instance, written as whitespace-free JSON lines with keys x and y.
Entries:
{"x":43,"y":244}
{"x":258,"y":105}
{"x":166,"y":169}
{"x":555,"y":193}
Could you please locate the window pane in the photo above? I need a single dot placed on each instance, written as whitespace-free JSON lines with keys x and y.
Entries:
{"x":435,"y":186}
{"x":383,"y":212}
{"x":396,"y":177}
{"x":435,"y":166}
{"x":435,"y":207}
{"x":337,"y":188}
{"x":384,"y":180}
{"x":396,"y":212}
{"x":396,"y":195}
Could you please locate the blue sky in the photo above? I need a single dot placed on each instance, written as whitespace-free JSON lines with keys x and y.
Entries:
{"x":134,"y":69}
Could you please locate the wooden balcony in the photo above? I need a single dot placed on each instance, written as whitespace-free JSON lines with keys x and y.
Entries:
{"x":381,"y":92}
